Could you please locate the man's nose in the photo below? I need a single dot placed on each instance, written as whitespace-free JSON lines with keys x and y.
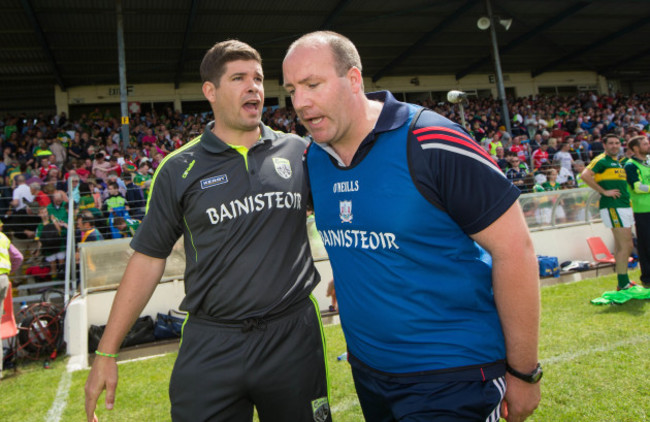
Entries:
{"x":300,"y":100}
{"x":254,"y":85}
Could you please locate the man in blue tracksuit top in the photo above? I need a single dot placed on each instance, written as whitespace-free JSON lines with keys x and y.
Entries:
{"x":435,"y":271}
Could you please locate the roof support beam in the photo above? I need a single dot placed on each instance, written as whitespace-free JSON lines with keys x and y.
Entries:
{"x":329,"y":21}
{"x":186,"y":42}
{"x":445,"y":22}
{"x":598,"y":43}
{"x":618,"y":63}
{"x":549,"y":23}
{"x":44,"y":44}
{"x":560,"y":48}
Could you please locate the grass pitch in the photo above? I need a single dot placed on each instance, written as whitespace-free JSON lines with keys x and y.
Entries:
{"x":595,"y":362}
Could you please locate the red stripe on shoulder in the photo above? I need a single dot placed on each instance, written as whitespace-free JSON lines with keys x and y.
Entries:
{"x":471,"y":144}
{"x":423,"y":129}
{"x":444,"y":129}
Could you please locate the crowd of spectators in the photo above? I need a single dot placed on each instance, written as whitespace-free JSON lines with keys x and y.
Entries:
{"x":551,"y":134}
{"x":551,"y":140}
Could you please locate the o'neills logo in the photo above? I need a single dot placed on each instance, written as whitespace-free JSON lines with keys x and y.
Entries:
{"x":254,"y":203}
{"x":347,"y":186}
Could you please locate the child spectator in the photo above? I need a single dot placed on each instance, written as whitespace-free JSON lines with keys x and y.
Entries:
{"x":45,"y":167}
{"x":142,"y":177}
{"x":50,"y":235}
{"x":87,"y":230}
{"x":125,"y":227}
{"x":113,"y":178}
{"x":115,"y":201}
{"x":87,"y":200}
{"x":135,"y":198}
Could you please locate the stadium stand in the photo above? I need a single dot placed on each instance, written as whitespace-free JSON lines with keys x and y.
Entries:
{"x":46,"y":156}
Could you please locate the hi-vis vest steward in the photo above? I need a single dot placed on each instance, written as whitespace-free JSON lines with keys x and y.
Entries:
{"x":640,"y":200}
{"x":5,"y":260}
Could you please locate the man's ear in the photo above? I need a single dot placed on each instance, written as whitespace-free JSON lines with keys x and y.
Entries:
{"x":355,"y":78}
{"x":209,"y":91}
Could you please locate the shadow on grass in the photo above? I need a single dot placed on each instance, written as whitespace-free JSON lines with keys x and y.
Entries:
{"x":632,"y":307}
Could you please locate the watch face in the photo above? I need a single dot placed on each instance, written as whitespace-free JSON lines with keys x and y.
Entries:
{"x":532,"y":377}
{"x":537,"y":374}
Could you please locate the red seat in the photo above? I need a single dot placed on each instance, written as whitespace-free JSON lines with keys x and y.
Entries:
{"x":8,"y":326}
{"x":600,"y":252}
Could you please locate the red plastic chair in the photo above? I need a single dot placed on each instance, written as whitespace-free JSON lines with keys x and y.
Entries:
{"x":600,"y":252}
{"x":8,"y":326}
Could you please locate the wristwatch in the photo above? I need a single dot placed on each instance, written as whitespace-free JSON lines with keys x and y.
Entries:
{"x":531,"y":378}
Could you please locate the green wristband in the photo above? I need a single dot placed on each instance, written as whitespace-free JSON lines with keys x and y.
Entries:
{"x":108,"y":355}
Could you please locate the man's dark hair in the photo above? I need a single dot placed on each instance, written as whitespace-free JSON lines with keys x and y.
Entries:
{"x":635,"y":141}
{"x":214,"y":62}
{"x":610,"y":135}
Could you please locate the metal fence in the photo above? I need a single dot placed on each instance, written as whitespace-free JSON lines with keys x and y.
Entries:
{"x":48,"y":229}
{"x":52,"y":258}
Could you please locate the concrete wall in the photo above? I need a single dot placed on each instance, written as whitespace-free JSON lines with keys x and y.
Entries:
{"x":523,"y":84}
{"x":94,"y":308}
{"x":568,"y":243}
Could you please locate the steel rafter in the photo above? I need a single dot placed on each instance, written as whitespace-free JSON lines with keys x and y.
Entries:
{"x":598,"y":43}
{"x":43,"y":40}
{"x":186,"y":41}
{"x":525,"y":37}
{"x":329,"y":21}
{"x":445,"y":22}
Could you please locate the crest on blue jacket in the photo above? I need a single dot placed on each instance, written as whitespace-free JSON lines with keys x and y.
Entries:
{"x":345,"y":211}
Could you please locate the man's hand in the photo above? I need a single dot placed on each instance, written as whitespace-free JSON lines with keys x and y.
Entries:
{"x":103,"y":375}
{"x":612,"y":193}
{"x":521,"y":399}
